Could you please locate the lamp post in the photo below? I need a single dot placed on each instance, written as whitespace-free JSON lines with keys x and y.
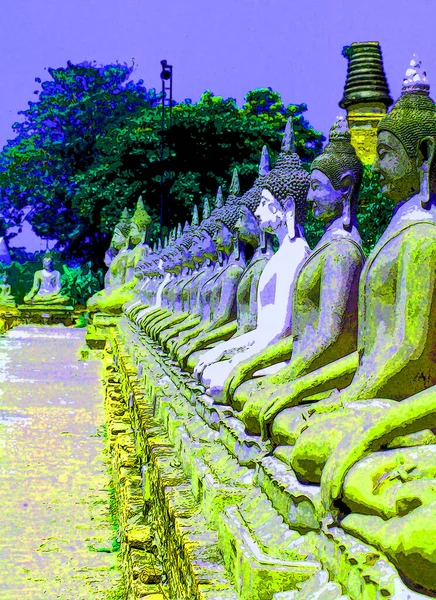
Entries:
{"x":167,"y":86}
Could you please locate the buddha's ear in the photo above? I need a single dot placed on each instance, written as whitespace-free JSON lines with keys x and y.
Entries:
{"x":427,"y":151}
{"x":347,"y":182}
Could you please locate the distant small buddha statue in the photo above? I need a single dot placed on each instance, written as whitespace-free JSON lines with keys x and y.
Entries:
{"x":46,"y":285}
{"x":6,"y":297}
{"x":129,"y":239}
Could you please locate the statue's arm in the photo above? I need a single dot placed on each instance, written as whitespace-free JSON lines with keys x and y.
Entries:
{"x":35,"y":287}
{"x":226,"y":300}
{"x":416,"y":286}
{"x":340,"y":270}
{"x":408,"y":416}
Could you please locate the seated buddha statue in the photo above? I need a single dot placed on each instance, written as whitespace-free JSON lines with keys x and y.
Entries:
{"x":397,"y":311}
{"x":123,"y":281}
{"x":324,"y":304}
{"x":117,"y":266}
{"x":46,"y":285}
{"x":6,"y":297}
{"x":281,"y":211}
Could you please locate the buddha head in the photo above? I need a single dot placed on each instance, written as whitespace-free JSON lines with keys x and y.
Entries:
{"x":226,"y":220}
{"x":121,"y":231}
{"x":336,"y":175}
{"x":47,"y":262}
{"x":406,"y":139}
{"x":247,"y":226}
{"x":284,"y":190}
{"x":283,"y":198}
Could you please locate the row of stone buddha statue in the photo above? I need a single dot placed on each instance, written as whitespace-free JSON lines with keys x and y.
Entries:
{"x":326,"y":354}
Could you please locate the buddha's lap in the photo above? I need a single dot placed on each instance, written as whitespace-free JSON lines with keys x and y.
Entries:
{"x":393,"y":482}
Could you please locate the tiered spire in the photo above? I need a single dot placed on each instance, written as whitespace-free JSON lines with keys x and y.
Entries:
{"x":195,"y":219}
{"x":366,"y":79}
{"x":219,"y":201}
{"x":206,"y":209}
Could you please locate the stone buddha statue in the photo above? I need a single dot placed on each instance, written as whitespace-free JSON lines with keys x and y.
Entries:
{"x":117,"y":264}
{"x":324,"y":305}
{"x":381,"y":471}
{"x":129,"y":238}
{"x":204,"y":257}
{"x":46,"y":285}
{"x":6,"y":297}
{"x":281,"y":211}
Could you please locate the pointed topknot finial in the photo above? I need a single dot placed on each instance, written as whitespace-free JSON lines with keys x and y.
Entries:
{"x":206,"y":209}
{"x":195,"y":220}
{"x":172,"y":236}
{"x":264,"y":162}
{"x":416,"y":78}
{"x":165,"y":244}
{"x":154,"y":248}
{"x":339,"y":129}
{"x":159,"y":245}
{"x":219,"y":198}
{"x":288,"y":142}
{"x":179,"y":231}
{"x":125,"y":214}
{"x":234,"y":186}
{"x":186,"y":227}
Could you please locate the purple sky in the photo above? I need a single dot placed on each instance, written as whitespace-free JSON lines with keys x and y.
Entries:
{"x":227,"y":46}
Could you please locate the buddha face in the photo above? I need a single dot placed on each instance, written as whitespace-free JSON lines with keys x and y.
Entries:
{"x":398,"y":172}
{"x":196,"y":250}
{"x":187,"y":259}
{"x":223,"y":239}
{"x":47,"y":263}
{"x":135,"y":235}
{"x":327,"y":203}
{"x":118,"y":239}
{"x":207,"y":245}
{"x":248,"y":227}
{"x":269,"y":213}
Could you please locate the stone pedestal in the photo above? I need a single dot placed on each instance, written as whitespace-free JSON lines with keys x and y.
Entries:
{"x":46,"y":314}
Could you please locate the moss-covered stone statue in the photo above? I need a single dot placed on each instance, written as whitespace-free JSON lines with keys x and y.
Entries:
{"x":6,"y":297}
{"x":324,"y":304}
{"x":129,"y":239}
{"x":47,"y":285}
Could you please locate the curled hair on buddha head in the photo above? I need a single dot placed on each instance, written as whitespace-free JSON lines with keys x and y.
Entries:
{"x":338,"y":158}
{"x":284,"y":185}
{"x":229,"y":215}
{"x":413,"y":116}
{"x":288,"y":178}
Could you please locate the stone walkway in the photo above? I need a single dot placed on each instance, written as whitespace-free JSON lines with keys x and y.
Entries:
{"x":55,"y":530}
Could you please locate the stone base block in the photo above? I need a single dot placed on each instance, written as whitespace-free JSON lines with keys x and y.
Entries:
{"x":46,"y":314}
{"x":257,"y":574}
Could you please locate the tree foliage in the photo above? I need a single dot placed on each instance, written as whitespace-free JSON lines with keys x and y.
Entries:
{"x":91,"y":145}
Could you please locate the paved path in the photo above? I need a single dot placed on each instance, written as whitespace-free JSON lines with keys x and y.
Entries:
{"x":54,"y":498}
